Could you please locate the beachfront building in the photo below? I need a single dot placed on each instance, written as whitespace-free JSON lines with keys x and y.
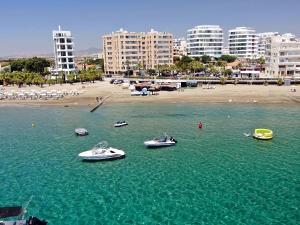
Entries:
{"x":225,"y":51}
{"x":243,"y":43}
{"x":205,"y":40}
{"x":179,"y":47}
{"x":283,"y":56}
{"x":262,"y":41}
{"x":125,"y":50}
{"x":63,"y":51}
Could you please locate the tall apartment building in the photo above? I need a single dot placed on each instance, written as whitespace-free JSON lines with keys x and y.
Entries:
{"x":179,"y":47}
{"x":283,"y":56}
{"x":205,"y":40}
{"x":262,"y":41}
{"x":243,"y":43}
{"x":125,"y":50}
{"x":63,"y":51}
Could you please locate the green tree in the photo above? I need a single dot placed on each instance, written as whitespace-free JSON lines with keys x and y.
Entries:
{"x":18,"y":77}
{"x":6,"y":78}
{"x":195,"y":65}
{"x":213,"y":69}
{"x":34,"y":64}
{"x":173,"y":68}
{"x":228,"y":72}
{"x":205,"y":59}
{"x":228,"y":58}
{"x":17,"y":65}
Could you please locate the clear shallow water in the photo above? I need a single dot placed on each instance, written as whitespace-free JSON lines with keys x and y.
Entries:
{"x":212,"y":176}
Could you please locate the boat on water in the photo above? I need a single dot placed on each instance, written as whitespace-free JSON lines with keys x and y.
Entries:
{"x":81,"y":131}
{"x":18,"y":211}
{"x":102,"y":152}
{"x":163,"y":141}
{"x":120,"y":124}
{"x":263,"y":134}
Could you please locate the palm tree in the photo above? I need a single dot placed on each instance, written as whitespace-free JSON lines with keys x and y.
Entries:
{"x":261,"y":61}
{"x":71,"y":77}
{"x":173,"y":68}
{"x":223,"y":80}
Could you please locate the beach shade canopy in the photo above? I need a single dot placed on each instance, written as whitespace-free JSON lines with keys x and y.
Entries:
{"x":10,"y":211}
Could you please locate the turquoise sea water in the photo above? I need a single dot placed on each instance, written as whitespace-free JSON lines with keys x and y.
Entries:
{"x":212,"y":176}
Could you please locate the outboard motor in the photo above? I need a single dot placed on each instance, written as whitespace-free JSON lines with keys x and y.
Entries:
{"x":173,"y":139}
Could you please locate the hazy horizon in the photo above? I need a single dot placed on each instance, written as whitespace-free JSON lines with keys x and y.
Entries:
{"x":28,"y":25}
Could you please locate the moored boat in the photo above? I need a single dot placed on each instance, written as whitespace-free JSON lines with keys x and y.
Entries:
{"x":163,"y":141}
{"x":120,"y":124}
{"x":102,"y":152}
{"x":18,"y":211}
{"x":263,"y":134}
{"x":81,"y":131}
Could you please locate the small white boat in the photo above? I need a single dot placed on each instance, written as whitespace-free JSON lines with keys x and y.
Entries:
{"x":164,"y":141}
{"x":120,"y":124}
{"x":81,"y":131}
{"x":102,"y":152}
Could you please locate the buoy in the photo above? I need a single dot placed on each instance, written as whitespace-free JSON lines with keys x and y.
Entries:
{"x":33,"y":125}
{"x":200,"y":125}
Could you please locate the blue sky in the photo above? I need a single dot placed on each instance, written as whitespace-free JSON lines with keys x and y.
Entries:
{"x":26,"y":25}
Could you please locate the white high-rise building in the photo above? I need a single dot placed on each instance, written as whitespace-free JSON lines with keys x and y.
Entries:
{"x":63,"y":51}
{"x":205,"y":40}
{"x":179,"y":47}
{"x":243,"y":43}
{"x":283,"y":56}
{"x":262,"y":40}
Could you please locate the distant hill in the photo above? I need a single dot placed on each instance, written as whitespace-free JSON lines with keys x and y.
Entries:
{"x":80,"y":53}
{"x":88,"y":52}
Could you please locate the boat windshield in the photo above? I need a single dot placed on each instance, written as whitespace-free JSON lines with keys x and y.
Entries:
{"x":161,"y":139}
{"x":101,"y":145}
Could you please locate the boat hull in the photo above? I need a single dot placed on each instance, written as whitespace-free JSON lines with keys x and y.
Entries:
{"x":154,"y":144}
{"x":120,"y":125}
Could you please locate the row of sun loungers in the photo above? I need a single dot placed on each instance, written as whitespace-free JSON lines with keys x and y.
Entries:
{"x":35,"y":95}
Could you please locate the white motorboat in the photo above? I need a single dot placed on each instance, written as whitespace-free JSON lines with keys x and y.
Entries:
{"x":164,"y":141}
{"x":102,"y":152}
{"x":81,"y":132}
{"x":120,"y":124}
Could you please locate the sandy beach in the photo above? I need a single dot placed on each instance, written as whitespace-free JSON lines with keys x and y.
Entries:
{"x":221,"y":94}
